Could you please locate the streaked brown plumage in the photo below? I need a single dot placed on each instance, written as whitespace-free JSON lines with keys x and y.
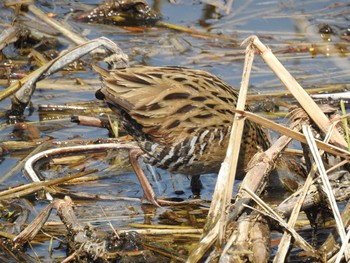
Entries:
{"x":180,"y":117}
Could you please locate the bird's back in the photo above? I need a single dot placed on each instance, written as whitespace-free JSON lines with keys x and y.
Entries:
{"x":180,"y":117}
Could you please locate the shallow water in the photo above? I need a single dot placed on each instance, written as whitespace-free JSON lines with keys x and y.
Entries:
{"x":289,"y":28}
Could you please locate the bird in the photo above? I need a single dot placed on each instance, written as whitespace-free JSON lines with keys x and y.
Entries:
{"x":180,"y":117}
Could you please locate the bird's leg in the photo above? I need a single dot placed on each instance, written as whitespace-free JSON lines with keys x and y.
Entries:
{"x":196,"y":185}
{"x":146,"y":186}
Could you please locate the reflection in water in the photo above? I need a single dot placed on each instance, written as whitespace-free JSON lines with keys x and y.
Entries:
{"x":209,"y":12}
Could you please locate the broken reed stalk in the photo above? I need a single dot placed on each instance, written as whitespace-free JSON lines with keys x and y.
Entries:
{"x":343,"y":249}
{"x":29,"y":165}
{"x":171,"y":256}
{"x":255,"y":180}
{"x":236,"y":137}
{"x":283,"y":247}
{"x":20,"y":163}
{"x":329,"y":148}
{"x":250,"y":240}
{"x":310,"y":107}
{"x":233,"y":148}
{"x":298,"y":92}
{"x":330,"y":246}
{"x":322,"y":88}
{"x":215,"y":226}
{"x":29,"y":233}
{"x":328,"y":188}
{"x":7,"y":36}
{"x":74,"y":36}
{"x":26,"y":86}
{"x":217,"y":207}
{"x":34,"y":187}
{"x":194,"y":32}
{"x":256,"y":177}
{"x":271,"y":213}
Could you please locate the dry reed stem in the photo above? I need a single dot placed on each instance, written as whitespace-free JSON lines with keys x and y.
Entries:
{"x":34,"y":187}
{"x":33,"y":228}
{"x":217,"y":216}
{"x":195,"y":32}
{"x":20,"y":163}
{"x":320,"y":89}
{"x":29,"y":165}
{"x":329,"y":148}
{"x":171,"y":257}
{"x":217,"y":207}
{"x":286,"y":238}
{"x":330,"y":245}
{"x":74,"y":36}
{"x":204,"y":244}
{"x":298,"y":92}
{"x":333,"y":96}
{"x":271,"y":213}
{"x":328,"y":187}
{"x":65,"y":84}
{"x":7,"y":36}
{"x":24,"y":88}
{"x":343,"y":249}
{"x":236,"y":137}
{"x":283,"y":247}
{"x":165,"y":227}
{"x":256,"y":178}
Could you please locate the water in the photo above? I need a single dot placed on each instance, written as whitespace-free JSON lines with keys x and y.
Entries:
{"x":289,"y":28}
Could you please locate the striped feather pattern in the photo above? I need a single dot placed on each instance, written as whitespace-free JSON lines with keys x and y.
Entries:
{"x":181,"y":117}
